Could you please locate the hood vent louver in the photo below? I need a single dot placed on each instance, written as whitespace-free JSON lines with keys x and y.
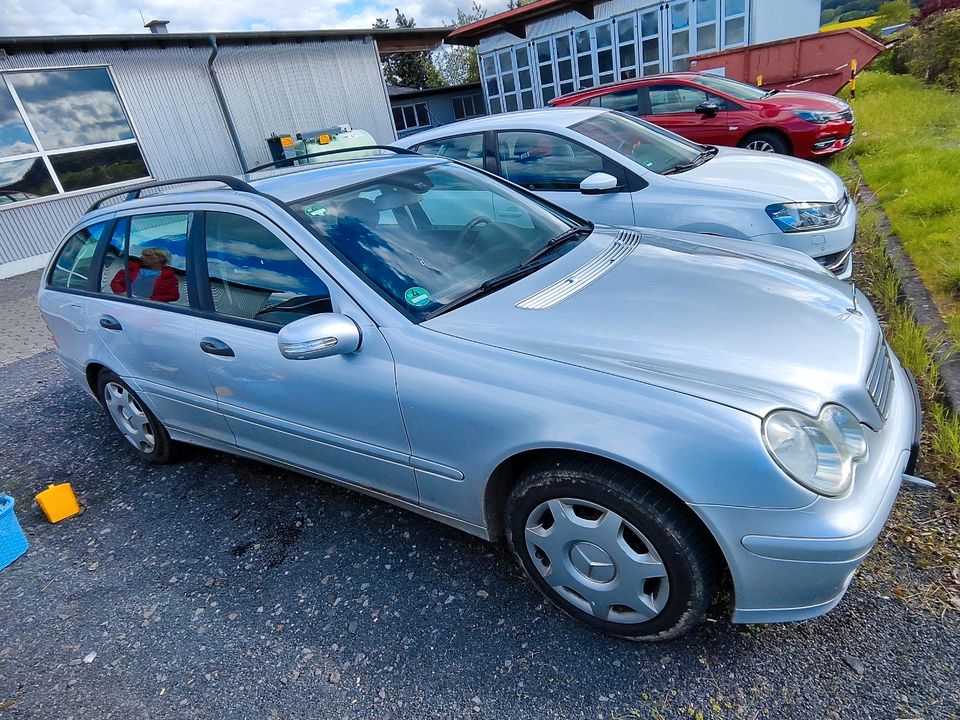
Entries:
{"x":624,"y":244}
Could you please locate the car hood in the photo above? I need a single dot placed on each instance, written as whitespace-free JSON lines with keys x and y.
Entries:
{"x":776,"y":176}
{"x":747,"y":326}
{"x":796,"y":100}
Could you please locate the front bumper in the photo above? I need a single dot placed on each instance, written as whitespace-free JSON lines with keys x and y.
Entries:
{"x":818,"y":141}
{"x":796,"y":564}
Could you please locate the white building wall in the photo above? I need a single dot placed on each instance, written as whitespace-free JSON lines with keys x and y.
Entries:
{"x":773,"y":20}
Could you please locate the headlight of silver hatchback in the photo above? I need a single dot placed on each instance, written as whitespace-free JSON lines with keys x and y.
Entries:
{"x":797,"y":217}
{"x":819,"y":453}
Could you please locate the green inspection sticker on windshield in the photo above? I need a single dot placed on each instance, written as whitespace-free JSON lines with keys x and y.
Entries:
{"x":315,"y":210}
{"x":417,"y":296}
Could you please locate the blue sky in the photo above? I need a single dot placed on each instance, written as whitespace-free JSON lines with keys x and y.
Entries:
{"x":66,"y":17}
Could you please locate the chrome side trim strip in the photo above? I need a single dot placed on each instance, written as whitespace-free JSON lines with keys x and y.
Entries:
{"x":625,"y":243}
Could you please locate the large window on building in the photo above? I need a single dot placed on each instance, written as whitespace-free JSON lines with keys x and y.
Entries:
{"x":658,"y":38}
{"x":63,"y":131}
{"x":467,"y":106}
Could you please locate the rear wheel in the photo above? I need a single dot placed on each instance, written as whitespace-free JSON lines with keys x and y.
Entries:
{"x":611,"y":549}
{"x":145,"y":436}
{"x":770,"y":142}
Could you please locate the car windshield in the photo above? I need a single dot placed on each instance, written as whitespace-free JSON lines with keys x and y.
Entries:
{"x":736,"y":89}
{"x":428,"y":237}
{"x":652,"y":147}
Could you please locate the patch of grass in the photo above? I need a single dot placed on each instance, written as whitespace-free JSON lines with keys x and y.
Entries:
{"x":934,"y":539}
{"x":908,"y":148}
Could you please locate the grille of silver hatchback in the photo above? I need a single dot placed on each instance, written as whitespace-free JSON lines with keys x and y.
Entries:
{"x":880,"y":379}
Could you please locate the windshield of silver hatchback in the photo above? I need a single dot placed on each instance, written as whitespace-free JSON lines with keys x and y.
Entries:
{"x":433,"y":238}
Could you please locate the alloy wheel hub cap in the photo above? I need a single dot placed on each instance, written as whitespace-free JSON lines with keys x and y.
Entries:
{"x":593,"y":562}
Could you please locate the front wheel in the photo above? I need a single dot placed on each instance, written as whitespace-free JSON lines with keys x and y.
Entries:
{"x":611,"y":549}
{"x":770,"y":142}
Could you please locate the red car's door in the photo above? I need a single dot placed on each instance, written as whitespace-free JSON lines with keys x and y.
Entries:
{"x":673,"y":106}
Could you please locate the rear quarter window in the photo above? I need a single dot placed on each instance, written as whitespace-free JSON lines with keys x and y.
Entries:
{"x":72,"y":267}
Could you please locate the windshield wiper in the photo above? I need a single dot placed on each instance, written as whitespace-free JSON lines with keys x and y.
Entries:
{"x":769,"y":94}
{"x":527,"y":267}
{"x":699,"y":160}
{"x":561,"y":239}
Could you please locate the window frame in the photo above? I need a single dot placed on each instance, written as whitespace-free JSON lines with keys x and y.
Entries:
{"x":45,"y":154}
{"x":412,"y":106}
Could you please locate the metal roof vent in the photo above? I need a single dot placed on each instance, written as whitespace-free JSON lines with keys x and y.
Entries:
{"x":158,"y":27}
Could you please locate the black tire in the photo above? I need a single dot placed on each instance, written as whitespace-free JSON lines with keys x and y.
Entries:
{"x":163,"y":449}
{"x":688,"y":553}
{"x":780,"y":145}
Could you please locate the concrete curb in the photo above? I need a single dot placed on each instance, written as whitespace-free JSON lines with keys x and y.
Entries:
{"x":918,"y":299}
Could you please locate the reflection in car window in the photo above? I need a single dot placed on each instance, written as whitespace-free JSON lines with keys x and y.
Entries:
{"x":651,"y":147}
{"x":72,"y":267}
{"x":254,"y":276}
{"x":455,"y":229}
{"x":622,"y":100}
{"x":465,"y":148}
{"x":540,"y":161}
{"x":155,"y":248}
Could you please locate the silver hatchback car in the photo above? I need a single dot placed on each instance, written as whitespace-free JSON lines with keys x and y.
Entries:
{"x":638,"y":413}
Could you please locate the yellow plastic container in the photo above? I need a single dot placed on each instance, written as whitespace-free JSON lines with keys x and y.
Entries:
{"x":58,"y":502}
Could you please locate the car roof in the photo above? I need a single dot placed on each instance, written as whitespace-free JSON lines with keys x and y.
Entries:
{"x":284,"y":184}
{"x":541,"y":119}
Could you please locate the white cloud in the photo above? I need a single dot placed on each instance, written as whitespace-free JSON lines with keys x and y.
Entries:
{"x":67,"y":17}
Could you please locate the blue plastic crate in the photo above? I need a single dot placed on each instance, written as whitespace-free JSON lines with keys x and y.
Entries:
{"x":13,"y":543}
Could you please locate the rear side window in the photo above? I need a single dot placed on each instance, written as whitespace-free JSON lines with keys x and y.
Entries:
{"x":72,"y":267}
{"x":622,"y":100}
{"x":146,"y":258}
{"x":254,"y":276}
{"x":465,"y":148}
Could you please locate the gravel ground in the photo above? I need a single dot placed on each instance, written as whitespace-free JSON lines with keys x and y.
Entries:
{"x":222,"y":588}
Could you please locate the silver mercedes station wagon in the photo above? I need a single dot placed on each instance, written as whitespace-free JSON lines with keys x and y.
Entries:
{"x":637,"y":413}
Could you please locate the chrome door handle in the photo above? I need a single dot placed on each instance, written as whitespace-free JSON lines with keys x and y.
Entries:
{"x":212,"y":346}
{"x":110,"y":322}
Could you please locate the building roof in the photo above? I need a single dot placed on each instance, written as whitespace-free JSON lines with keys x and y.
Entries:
{"x":389,"y":40}
{"x":515,"y":21}
{"x":397,"y":92}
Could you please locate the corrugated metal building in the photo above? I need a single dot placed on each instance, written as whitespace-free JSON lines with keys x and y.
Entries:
{"x":536,"y":52}
{"x":83,"y":115}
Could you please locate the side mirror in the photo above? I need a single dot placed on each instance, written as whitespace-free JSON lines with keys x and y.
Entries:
{"x":599,"y":183}
{"x":317,"y":336}
{"x":707,"y":109}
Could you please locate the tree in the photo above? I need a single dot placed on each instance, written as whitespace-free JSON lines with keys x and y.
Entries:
{"x":408,"y":69}
{"x":458,"y":65}
{"x":890,"y":13}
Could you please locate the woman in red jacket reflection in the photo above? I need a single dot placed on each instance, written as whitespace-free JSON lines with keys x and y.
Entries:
{"x":151,"y":277}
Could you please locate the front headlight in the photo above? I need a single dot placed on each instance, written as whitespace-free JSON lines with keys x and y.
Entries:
{"x":819,"y":453}
{"x":818,"y":117}
{"x":797,"y":217}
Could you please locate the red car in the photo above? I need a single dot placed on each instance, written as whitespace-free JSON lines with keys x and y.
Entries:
{"x":714,"y":110}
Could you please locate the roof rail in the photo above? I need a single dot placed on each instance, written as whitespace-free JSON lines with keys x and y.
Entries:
{"x":134,"y":193}
{"x":290,"y":162}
